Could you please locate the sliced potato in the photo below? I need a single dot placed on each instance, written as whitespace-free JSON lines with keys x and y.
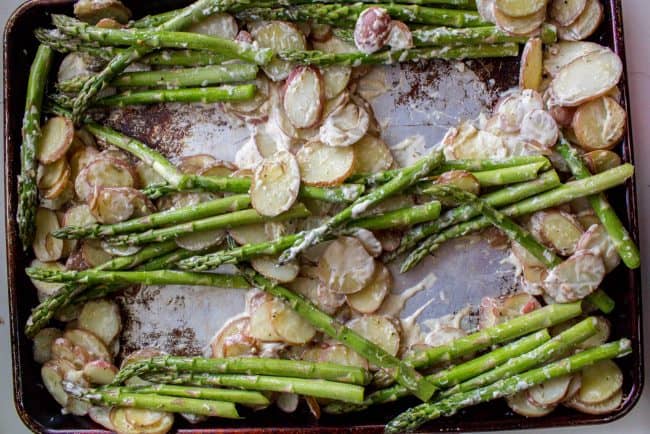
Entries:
{"x":540,"y":130}
{"x":521,"y":26}
{"x":250,"y":234}
{"x":201,"y":240}
{"x":563,"y":115}
{"x":334,"y":45}
{"x":335,"y":80}
{"x":574,"y":386}
{"x":575,"y":278}
{"x":370,"y":242}
{"x":287,"y":402}
{"x":56,"y":137}
{"x":520,"y":8}
{"x":322,"y":165}
{"x":303,"y":98}
{"x":604,"y":328}
{"x":49,"y":175}
{"x":236,"y":329}
{"x":63,"y":349}
{"x":346,"y":267}
{"x":195,"y":164}
{"x":530,"y":72}
{"x":261,"y":326}
{"x":599,"y":124}
{"x":608,"y":406}
{"x":78,"y":215}
{"x":276,"y":184}
{"x":599,"y":382}
{"x":559,"y":55}
{"x":89,"y":342}
{"x":269,"y":267}
{"x":101,"y":416}
{"x":52,"y":375}
{"x":99,"y":372}
{"x":550,"y":392}
{"x":255,"y":110}
{"x":60,"y":195}
{"x":370,"y":298}
{"x":400,"y":36}
{"x":132,"y":422}
{"x":289,"y":325}
{"x":597,"y":240}
{"x":566,"y":12}
{"x":372,"y":155}
{"x":460,"y":179}
{"x":511,"y":109}
{"x":378,"y":329}
{"x":443,"y":335}
{"x":147,"y":176}
{"x":101,"y":317}
{"x":520,"y":404}
{"x":220,"y":25}
{"x":111,"y":205}
{"x":585,"y":25}
{"x":80,"y":158}
{"x":466,"y":142}
{"x":337,"y":353}
{"x":46,"y":247}
{"x":558,"y":229}
{"x":93,"y":254}
{"x":586,"y":78}
{"x":93,"y":11}
{"x":279,"y":36}
{"x":494,"y":311}
{"x":219,"y":169}
{"x":486,"y":10}
{"x":318,"y":294}
{"x":103,"y":172}
{"x":42,"y":345}
{"x":372,"y":30}
{"x":345,"y":126}
{"x":601,"y":160}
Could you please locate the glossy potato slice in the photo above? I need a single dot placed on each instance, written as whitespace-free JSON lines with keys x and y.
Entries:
{"x":520,"y":8}
{"x":56,"y":137}
{"x":585,"y":25}
{"x":531,"y":69}
{"x":370,"y":298}
{"x":322,"y":165}
{"x":279,"y":36}
{"x":276,"y":184}
{"x":599,"y":124}
{"x":346,"y":267}
{"x":600,"y":382}
{"x":378,"y":329}
{"x":566,"y":12}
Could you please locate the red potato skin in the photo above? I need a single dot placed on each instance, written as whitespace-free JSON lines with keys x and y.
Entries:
{"x":399,"y":28}
{"x":295,"y":74}
{"x":562,"y":115}
{"x":372,"y":30}
{"x":244,"y":36}
{"x":67,"y":143}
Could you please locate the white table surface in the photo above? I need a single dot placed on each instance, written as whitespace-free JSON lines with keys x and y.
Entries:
{"x":637,"y":33}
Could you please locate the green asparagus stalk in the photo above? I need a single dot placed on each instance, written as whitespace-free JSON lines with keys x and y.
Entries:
{"x":156,"y":39}
{"x":156,"y":277}
{"x":245,"y":397}
{"x":451,"y":376}
{"x":173,"y":404}
{"x":405,"y":179}
{"x":45,"y":311}
{"x":64,"y":44}
{"x":175,"y":78}
{"x":510,"y":175}
{"x":320,"y":58}
{"x":558,"y":196}
{"x":205,"y":95}
{"x":556,"y":347}
{"x":301,"y":386}
{"x":184,"y":58}
{"x":539,"y":319}
{"x":156,"y":220}
{"x":623,"y":241}
{"x":399,"y":218}
{"x":403,"y":373}
{"x":245,"y":365}
{"x":31,"y":133}
{"x":499,"y":198}
{"x":345,"y":15}
{"x":224,"y":221}
{"x":417,"y":416}
{"x":184,"y":17}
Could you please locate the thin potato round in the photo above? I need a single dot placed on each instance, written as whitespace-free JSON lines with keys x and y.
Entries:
{"x":520,"y":8}
{"x":93,"y":253}
{"x":99,"y":372}
{"x":219,"y":169}
{"x":346,"y":267}
{"x":586,"y":78}
{"x":235,"y":328}
{"x":520,"y":404}
{"x":249,"y":234}
{"x":279,"y":36}
{"x":101,"y":416}
{"x":81,"y":158}
{"x":601,"y":160}
{"x":345,"y":126}
{"x":78,"y":215}
{"x":51,"y":174}
{"x":322,"y":165}
{"x":93,"y":11}
{"x":269,"y":267}
{"x":52,"y":376}
{"x":276,"y":184}
{"x":61,"y":192}
{"x":585,"y":25}
{"x":303,"y":98}
{"x":335,"y":80}
{"x":290,"y":326}
{"x":372,"y":29}
{"x":575,"y":278}
{"x":103,"y":172}
{"x":63,"y":349}
{"x":255,"y":110}
{"x":599,"y":382}
{"x":89,"y":342}
{"x":604,"y":329}
{"x":372,"y":155}
{"x":531,"y":69}
{"x":261,"y":317}
{"x":369,"y":241}
{"x":46,"y":289}
{"x":400,"y":36}
{"x":220,"y":25}
{"x":118,"y":418}
{"x":287,"y":402}
{"x":599,"y":124}
{"x":608,"y":406}
{"x":42,"y":345}
{"x":379,"y":330}
{"x":565,"y":12}
{"x":460,"y":179}
{"x":486,"y":10}
{"x":111,"y":205}
{"x":370,"y":298}
{"x":46,"y":247}
{"x":559,"y":55}
{"x":443,"y":335}
{"x":201,"y":240}
{"x":597,"y":240}
{"x":550,"y":392}
{"x":512,"y":109}
{"x":318,"y":294}
{"x":101,"y":317}
{"x":56,"y":137}
{"x":147,"y":176}
{"x":337,"y":353}
{"x":466,"y":142}
{"x":194,"y":164}
{"x":559,"y":230}
{"x":519,"y":25}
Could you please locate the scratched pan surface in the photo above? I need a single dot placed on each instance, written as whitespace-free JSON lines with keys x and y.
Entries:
{"x":423,"y":101}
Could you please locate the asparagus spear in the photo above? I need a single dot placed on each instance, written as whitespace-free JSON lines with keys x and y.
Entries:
{"x":301,"y":386}
{"x":185,"y":58}
{"x":64,"y":44}
{"x":320,"y":58}
{"x":245,"y":365}
{"x":399,"y":217}
{"x":205,"y":95}
{"x":224,"y":221}
{"x":170,"y":217}
{"x":183,"y":18}
{"x":245,"y":397}
{"x":545,"y":317}
{"x":44,"y":312}
{"x":451,"y":376}
{"x":509,"y":175}
{"x":123,"y":398}
{"x":156,"y":39}
{"x":499,"y":198}
{"x":560,"y":195}
{"x":345,"y":15}
{"x":31,"y":133}
{"x":417,"y":416}
{"x":187,"y":77}
{"x":403,"y":373}
{"x":405,"y":179}
{"x":623,"y":241}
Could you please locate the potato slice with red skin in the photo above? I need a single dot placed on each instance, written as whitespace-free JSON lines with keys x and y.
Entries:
{"x":336,"y":353}
{"x":322,"y":165}
{"x":261,"y":327}
{"x":558,"y":55}
{"x":111,"y":205}
{"x":372,"y":155}
{"x":400,"y":36}
{"x":346,"y":267}
{"x":460,"y":179}
{"x":92,"y":11}
{"x":335,"y":80}
{"x":101,"y":317}
{"x":101,"y":416}
{"x":608,"y":406}
{"x":585,"y":25}
{"x":601,"y":160}
{"x":160,"y":423}
{"x":194,"y":164}
{"x":276,"y":183}
{"x":599,"y":124}
{"x":566,"y":12}
{"x":378,"y":329}
{"x":578,"y":82}
{"x":279,"y":36}
{"x":345,"y":126}
{"x":89,"y":342}
{"x":256,"y":110}
{"x":93,"y":253}
{"x":575,"y":278}
{"x":42,"y":344}
{"x":511,"y":109}
{"x":304,"y":97}
{"x":52,"y":174}
{"x":81,"y":158}
{"x":63,"y":349}
{"x":318,"y":294}
{"x":520,"y":8}
{"x":47,"y":248}
{"x":558,"y":230}
{"x":370,"y":298}
{"x":372,"y":30}
{"x":199,"y":241}
{"x":103,"y":172}
{"x":520,"y":26}
{"x":269,"y":267}
{"x":597,"y":240}
{"x":99,"y":372}
{"x":494,"y":311}
{"x":520,"y":404}
{"x":466,"y":142}
{"x":56,"y":137}
{"x":289,"y":325}
{"x":530,"y":72}
{"x":220,"y":25}
{"x":563,"y":115}
{"x":53,"y":374}
{"x":236,"y":329}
